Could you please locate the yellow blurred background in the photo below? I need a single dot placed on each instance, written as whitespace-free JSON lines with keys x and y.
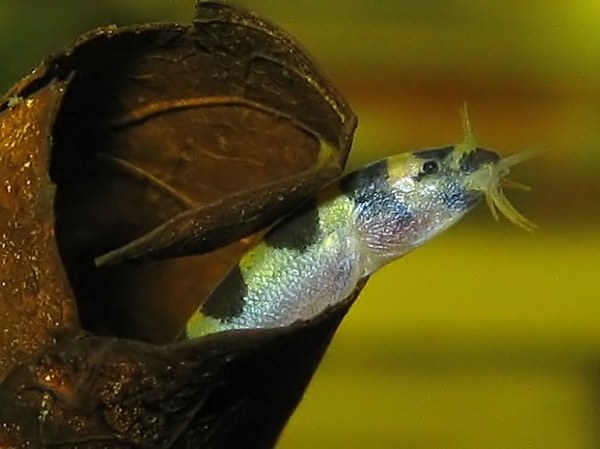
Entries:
{"x":488,"y":337}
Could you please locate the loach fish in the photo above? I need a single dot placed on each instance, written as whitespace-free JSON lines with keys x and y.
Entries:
{"x":315,"y":257}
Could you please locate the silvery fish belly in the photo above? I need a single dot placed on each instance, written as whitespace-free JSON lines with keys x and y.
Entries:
{"x":315,"y":258}
{"x":311,"y":256}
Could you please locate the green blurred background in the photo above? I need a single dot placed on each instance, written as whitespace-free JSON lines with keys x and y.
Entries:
{"x":488,"y":337}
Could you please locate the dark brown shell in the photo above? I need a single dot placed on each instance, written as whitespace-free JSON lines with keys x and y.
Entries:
{"x":192,"y":136}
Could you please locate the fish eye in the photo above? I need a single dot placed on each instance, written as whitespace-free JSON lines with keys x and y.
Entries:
{"x":430,"y":167}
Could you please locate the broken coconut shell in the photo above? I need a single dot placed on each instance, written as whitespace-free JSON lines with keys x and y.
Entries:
{"x":185,"y":140}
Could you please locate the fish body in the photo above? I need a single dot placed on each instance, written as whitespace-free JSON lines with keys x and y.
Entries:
{"x":315,"y":257}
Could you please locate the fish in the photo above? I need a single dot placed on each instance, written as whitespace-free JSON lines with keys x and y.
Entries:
{"x":316,"y":256}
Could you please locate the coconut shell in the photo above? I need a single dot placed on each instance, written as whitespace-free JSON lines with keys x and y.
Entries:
{"x":131,"y":148}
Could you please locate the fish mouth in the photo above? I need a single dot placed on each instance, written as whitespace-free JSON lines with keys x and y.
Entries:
{"x":487,"y":172}
{"x":496,"y":174}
